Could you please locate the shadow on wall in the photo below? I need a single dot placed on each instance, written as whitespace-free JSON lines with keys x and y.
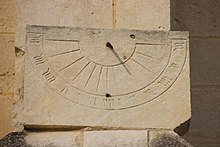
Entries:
{"x":202,"y":19}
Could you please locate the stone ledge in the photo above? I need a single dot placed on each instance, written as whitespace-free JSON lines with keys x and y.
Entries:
{"x":107,"y":138}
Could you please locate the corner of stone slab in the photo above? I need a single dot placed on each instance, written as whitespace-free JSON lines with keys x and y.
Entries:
{"x":166,"y":138}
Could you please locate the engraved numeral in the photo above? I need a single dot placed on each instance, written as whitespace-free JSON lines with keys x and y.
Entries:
{"x":174,"y":65}
{"x":111,"y":102}
{"x":49,"y":76}
{"x":92,"y":101}
{"x":65,"y":90}
{"x":39,"y":59}
{"x":149,"y":92}
{"x":165,"y":81}
{"x":36,"y":39}
{"x":179,"y":45}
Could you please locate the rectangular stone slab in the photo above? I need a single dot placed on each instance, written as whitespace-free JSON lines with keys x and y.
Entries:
{"x":106,"y":78}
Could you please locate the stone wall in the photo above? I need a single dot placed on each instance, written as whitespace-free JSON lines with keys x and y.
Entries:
{"x":202,"y":19}
{"x":7,"y":37}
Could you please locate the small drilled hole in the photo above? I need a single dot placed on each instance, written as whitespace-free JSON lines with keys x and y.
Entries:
{"x":107,"y":95}
{"x":132,"y":36}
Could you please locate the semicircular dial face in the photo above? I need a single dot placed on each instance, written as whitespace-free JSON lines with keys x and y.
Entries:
{"x":107,"y":69}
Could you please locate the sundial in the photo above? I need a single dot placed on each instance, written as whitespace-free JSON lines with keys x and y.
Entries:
{"x":106,"y":69}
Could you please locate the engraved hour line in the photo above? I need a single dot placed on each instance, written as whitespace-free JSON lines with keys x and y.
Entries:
{"x":81,"y":70}
{"x":149,"y":44}
{"x":50,"y":78}
{"x":99,"y":79}
{"x":72,"y":63}
{"x":90,"y":76}
{"x":140,"y":64}
{"x":107,"y":78}
{"x":64,"y":53}
{"x":114,"y":77}
{"x":147,"y":55}
{"x":39,"y":59}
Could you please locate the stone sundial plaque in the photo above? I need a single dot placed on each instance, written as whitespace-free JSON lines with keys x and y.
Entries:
{"x":89,"y":77}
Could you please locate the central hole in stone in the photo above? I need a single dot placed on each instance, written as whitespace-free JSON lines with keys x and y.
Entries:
{"x":108,"y":44}
{"x":107,"y":95}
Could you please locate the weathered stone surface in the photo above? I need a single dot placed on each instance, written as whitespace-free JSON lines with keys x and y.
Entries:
{"x":166,"y":139}
{"x":205,"y":116}
{"x":205,"y":61}
{"x":156,"y":91}
{"x":103,"y":14}
{"x":7,"y":16}
{"x":6,"y":82}
{"x":92,"y":14}
{"x":18,"y":100}
{"x":54,"y":139}
{"x":199,"y":17}
{"x":142,"y":14}
{"x":116,"y":138}
{"x":7,"y":37}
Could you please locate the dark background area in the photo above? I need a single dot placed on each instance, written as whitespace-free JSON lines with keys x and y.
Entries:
{"x":202,"y":19}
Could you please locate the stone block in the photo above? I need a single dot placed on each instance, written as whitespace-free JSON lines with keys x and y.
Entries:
{"x":199,"y":17}
{"x":115,"y":138}
{"x":54,"y":139}
{"x":7,"y":58}
{"x":204,"y":54}
{"x":112,"y":58}
{"x":5,"y":115}
{"x":6,"y":82}
{"x":142,"y":14}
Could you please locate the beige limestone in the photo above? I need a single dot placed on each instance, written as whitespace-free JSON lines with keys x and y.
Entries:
{"x":55,"y":139}
{"x":56,"y":87}
{"x":7,"y":16}
{"x":7,"y":37}
{"x":142,"y":14}
{"x":116,"y":138}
